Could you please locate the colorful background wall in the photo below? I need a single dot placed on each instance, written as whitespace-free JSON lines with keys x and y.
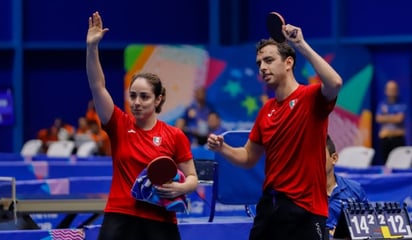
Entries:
{"x":234,"y":89}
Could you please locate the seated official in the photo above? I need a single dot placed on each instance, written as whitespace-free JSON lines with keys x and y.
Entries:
{"x":339,"y":189}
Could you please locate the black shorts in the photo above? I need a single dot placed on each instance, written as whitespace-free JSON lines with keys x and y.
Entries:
{"x":278,"y":217}
{"x":118,"y":226}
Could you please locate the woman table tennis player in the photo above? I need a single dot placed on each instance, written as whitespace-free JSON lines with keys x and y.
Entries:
{"x":135,"y":140}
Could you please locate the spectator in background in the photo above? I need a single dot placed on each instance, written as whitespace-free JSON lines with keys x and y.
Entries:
{"x":101,"y":138}
{"x":214,"y":124}
{"x":92,"y":131}
{"x":58,"y":131}
{"x":194,"y":121}
{"x":82,"y":126}
{"x":390,"y":115}
{"x":91,"y":114}
{"x":83,"y":133}
{"x":339,"y":189}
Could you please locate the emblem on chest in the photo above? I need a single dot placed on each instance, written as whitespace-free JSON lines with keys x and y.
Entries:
{"x":157,"y":141}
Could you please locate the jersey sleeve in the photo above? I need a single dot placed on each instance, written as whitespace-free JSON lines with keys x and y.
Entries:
{"x":255,"y":133}
{"x":183,"y":151}
{"x":322,"y":105}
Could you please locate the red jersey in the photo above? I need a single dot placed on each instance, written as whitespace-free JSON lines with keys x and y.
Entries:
{"x":293,"y":133}
{"x":132,"y":149}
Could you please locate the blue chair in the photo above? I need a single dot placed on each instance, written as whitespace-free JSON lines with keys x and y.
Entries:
{"x":207,"y":173}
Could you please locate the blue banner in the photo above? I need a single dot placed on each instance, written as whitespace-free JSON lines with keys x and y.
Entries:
{"x":6,"y":108}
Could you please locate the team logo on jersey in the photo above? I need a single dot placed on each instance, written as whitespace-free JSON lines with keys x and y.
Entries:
{"x":131,"y":131}
{"x":292,"y":103}
{"x":271,"y":113}
{"x":157,"y":141}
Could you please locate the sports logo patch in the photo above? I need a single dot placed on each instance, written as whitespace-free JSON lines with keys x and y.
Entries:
{"x":292,"y":103}
{"x":157,"y":141}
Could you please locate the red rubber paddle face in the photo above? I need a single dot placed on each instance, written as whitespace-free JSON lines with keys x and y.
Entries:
{"x":161,"y":170}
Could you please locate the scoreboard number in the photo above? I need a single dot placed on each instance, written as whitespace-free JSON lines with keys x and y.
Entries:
{"x":397,"y":223}
{"x":388,"y":220}
{"x":358,"y":221}
{"x":362,"y":224}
